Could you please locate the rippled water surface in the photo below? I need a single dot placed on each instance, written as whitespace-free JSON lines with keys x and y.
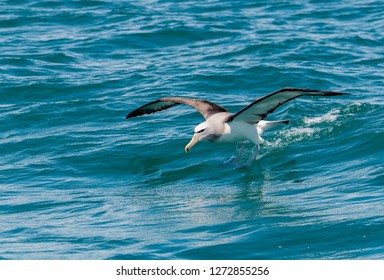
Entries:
{"x":78,"y":181}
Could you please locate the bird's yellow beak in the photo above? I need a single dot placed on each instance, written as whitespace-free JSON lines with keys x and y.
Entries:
{"x":192,"y":143}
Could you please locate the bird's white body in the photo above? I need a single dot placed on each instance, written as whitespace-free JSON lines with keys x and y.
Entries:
{"x":234,"y":131}
{"x":241,"y":131}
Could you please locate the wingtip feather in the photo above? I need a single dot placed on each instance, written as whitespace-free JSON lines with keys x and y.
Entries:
{"x":308,"y":90}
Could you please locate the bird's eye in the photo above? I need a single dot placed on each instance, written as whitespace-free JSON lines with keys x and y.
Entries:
{"x":201,"y":130}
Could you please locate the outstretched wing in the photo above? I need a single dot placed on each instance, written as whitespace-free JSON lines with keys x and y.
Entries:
{"x":204,"y":107}
{"x":262,"y":106}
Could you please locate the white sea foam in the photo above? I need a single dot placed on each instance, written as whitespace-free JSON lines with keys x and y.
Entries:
{"x":296,"y":134}
{"x":331,"y":116}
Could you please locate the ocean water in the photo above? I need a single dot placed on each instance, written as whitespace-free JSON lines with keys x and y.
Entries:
{"x":79,"y":181}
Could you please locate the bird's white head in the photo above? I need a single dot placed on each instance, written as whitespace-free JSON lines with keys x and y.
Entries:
{"x":201,"y":132}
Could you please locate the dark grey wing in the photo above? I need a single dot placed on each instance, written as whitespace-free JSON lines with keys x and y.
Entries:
{"x":204,"y":107}
{"x":262,"y":106}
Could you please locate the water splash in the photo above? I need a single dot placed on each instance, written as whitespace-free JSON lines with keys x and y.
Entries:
{"x":331,"y":116}
{"x":310,"y":128}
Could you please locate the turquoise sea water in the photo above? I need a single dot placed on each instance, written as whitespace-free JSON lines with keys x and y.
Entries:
{"x":78,"y":181}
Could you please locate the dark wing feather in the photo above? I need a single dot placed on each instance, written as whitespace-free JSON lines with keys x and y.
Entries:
{"x":262,"y":106}
{"x":204,"y":107}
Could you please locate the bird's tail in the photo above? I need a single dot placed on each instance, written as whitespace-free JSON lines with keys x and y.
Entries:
{"x":265,"y":125}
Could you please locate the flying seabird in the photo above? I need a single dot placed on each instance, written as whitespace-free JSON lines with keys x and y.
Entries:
{"x":221,"y":126}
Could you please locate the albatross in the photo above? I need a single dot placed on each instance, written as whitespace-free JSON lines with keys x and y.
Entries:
{"x":247,"y":125}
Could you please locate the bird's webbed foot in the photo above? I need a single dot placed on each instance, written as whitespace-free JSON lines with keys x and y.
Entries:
{"x":240,"y":146}
{"x":236,"y":159}
{"x":255,"y":154}
{"x":244,"y":157}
